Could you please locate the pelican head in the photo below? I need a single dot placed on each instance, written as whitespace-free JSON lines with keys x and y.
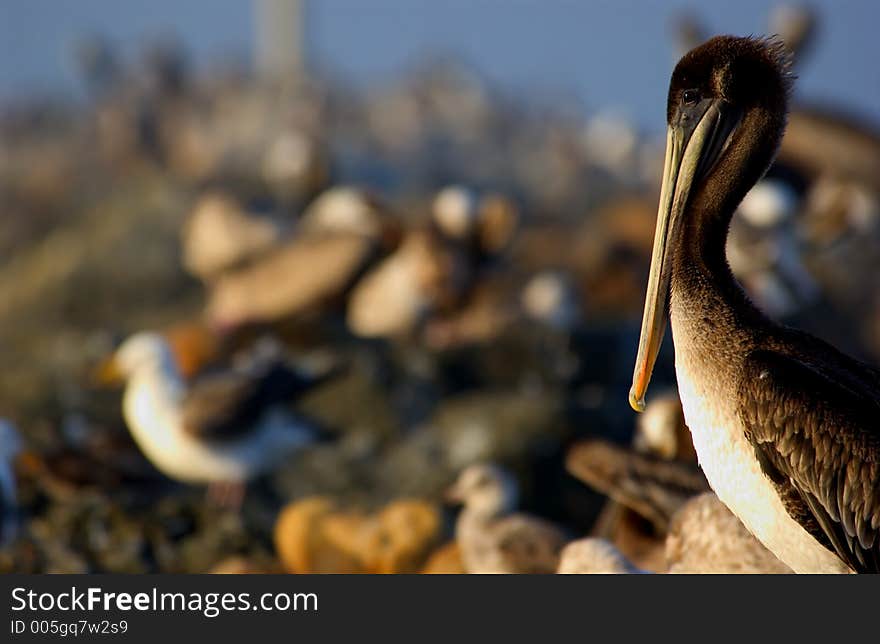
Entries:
{"x":725,"y":114}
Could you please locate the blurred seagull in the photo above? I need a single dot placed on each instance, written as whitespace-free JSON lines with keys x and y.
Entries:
{"x":224,"y":428}
{"x":493,"y":539}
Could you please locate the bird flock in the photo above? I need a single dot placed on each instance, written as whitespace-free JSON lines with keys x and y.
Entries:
{"x":291,"y":326}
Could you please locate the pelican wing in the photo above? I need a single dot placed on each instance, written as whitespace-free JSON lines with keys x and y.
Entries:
{"x":228,"y":405}
{"x":817,"y":438}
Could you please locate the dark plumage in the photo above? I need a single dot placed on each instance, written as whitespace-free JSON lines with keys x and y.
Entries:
{"x":227,"y":404}
{"x":783,"y":423}
{"x":815,"y":437}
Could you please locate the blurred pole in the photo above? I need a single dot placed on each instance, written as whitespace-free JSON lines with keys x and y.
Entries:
{"x":279,"y":42}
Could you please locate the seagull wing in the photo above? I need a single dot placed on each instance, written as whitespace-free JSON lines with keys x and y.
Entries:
{"x":228,"y":405}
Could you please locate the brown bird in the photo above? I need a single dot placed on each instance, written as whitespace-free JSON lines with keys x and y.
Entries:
{"x":653,"y":487}
{"x":644,"y":490}
{"x":784,"y":425}
{"x":342,"y":232}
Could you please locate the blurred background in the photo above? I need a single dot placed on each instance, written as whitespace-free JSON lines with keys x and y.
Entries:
{"x":439,"y":214}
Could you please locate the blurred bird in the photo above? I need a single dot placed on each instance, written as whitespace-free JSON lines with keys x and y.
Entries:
{"x":347,"y":209}
{"x":653,"y":487}
{"x":594,"y":556}
{"x":196,"y":346}
{"x":225,"y":427}
{"x":645,"y":491}
{"x":550,"y":298}
{"x":483,"y":227}
{"x":492,"y":538}
{"x":436,"y":268}
{"x":487,"y":310}
{"x":705,"y":537}
{"x":220,"y":235}
{"x":338,"y":234}
{"x":823,"y":140}
{"x":395,"y":297}
{"x":763,"y":250}
{"x":662,"y":432}
{"x":552,"y":307}
{"x":454,"y":212}
{"x":770,"y":203}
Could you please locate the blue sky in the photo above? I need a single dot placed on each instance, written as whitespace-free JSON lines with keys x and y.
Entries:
{"x":604,"y":53}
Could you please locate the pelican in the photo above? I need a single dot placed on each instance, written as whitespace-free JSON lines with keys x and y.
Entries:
{"x":784,"y":425}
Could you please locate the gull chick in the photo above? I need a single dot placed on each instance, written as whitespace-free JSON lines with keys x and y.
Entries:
{"x":492,"y":538}
{"x":225,"y":427}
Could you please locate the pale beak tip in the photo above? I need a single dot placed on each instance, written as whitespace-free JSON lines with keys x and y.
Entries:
{"x":637,"y":403}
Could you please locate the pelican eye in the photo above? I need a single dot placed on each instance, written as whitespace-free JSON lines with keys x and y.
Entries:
{"x":690,"y":96}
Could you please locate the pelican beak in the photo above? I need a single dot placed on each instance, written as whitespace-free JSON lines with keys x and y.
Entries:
{"x":695,"y":140}
{"x":108,"y":372}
